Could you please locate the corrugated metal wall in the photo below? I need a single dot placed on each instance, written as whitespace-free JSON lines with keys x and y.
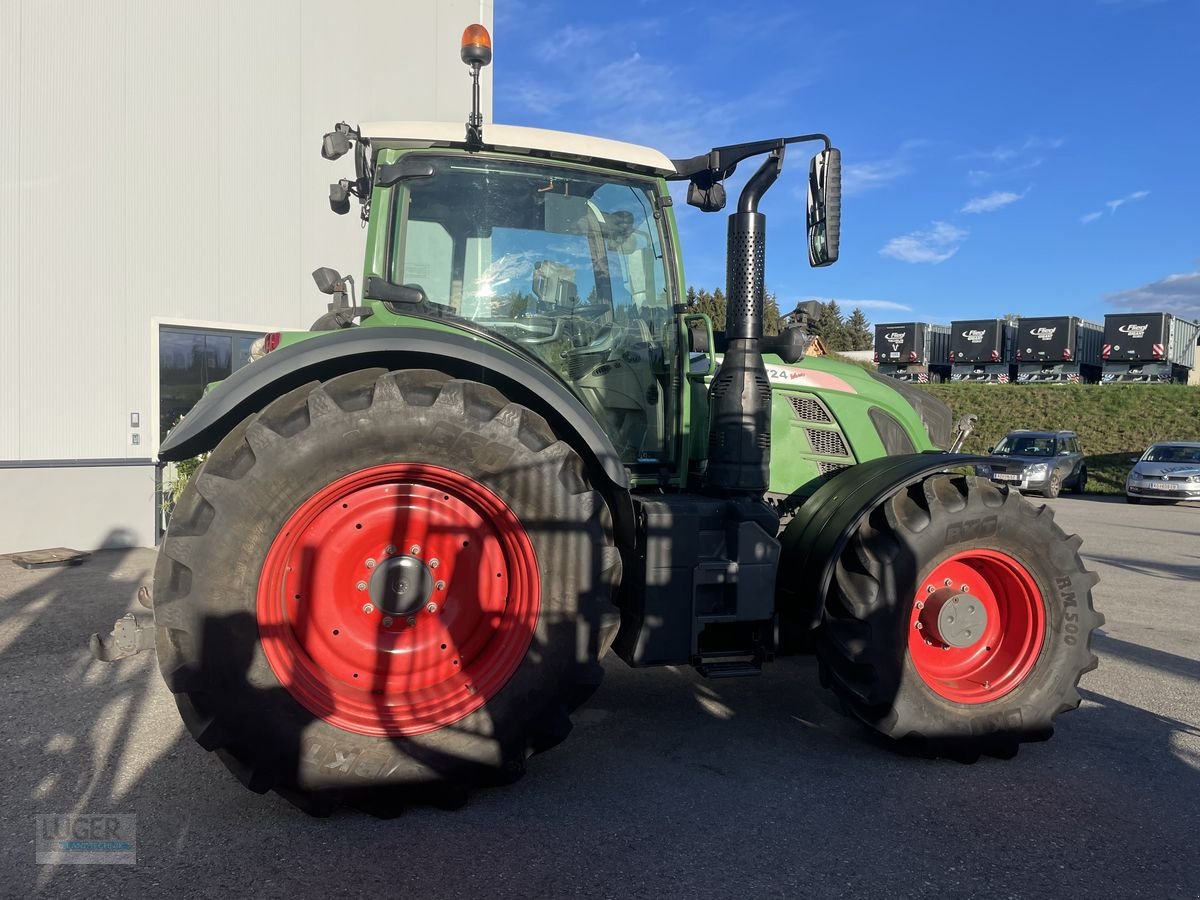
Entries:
{"x":162,"y":159}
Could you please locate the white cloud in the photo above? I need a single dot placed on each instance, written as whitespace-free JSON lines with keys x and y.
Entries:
{"x":992,"y":202}
{"x":860,"y":177}
{"x":936,"y":245}
{"x":848,"y":304}
{"x":1114,"y":205}
{"x":1178,"y":294}
{"x":1004,"y":152}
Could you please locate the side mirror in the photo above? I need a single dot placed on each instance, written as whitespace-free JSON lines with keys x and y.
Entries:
{"x":335,"y":145}
{"x":328,"y":280}
{"x":824,"y":207}
{"x":990,"y":449}
{"x":1135,"y":459}
{"x":339,"y":198}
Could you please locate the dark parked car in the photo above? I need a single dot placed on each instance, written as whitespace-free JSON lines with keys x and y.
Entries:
{"x":1169,"y":470}
{"x":1042,"y":461}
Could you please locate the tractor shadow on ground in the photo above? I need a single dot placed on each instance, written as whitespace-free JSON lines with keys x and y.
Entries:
{"x":658,"y":751}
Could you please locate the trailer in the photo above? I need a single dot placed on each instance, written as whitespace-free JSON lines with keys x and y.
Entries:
{"x":1058,"y":350}
{"x":913,"y":351}
{"x":983,"y":350}
{"x":1154,"y":347}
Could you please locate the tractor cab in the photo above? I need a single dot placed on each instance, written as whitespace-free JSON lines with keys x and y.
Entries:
{"x":572,"y":265}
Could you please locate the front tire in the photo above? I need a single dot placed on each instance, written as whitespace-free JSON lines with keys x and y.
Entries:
{"x":960,"y":540}
{"x":389,"y":585}
{"x":1053,"y":487}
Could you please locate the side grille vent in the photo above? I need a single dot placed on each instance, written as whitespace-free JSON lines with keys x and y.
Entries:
{"x":827,"y":443}
{"x":809,"y":409}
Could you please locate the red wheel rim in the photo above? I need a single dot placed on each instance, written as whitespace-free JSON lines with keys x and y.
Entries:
{"x":364,"y":668}
{"x":1012,"y":638}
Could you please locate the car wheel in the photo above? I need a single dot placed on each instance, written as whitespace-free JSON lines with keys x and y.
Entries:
{"x":1054,"y":487}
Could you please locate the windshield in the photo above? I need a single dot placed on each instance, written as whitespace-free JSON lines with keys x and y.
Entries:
{"x":1173,"y":453}
{"x":566,"y":263}
{"x":1025,"y":445}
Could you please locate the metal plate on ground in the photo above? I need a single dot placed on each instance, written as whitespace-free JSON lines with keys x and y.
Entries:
{"x":42,"y":559}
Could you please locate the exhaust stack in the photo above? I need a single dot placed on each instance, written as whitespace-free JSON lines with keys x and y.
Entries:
{"x":740,"y":396}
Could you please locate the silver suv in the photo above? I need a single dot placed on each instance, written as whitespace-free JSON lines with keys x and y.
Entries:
{"x":1042,"y":461}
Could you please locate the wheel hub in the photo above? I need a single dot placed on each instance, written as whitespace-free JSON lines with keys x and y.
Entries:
{"x":953,"y":617}
{"x":401,"y":586}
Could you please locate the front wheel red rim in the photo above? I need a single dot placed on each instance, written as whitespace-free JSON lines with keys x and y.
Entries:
{"x":398,"y":599}
{"x":1002,"y":656}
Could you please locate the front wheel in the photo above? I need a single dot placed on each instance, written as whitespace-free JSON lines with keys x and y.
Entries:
{"x":385,"y":585}
{"x":1054,"y":486}
{"x":959,"y":619}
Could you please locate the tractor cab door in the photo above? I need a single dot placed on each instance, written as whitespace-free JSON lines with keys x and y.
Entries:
{"x":569,"y":265}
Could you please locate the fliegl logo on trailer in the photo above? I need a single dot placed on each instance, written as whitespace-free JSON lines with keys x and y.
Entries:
{"x":84,"y":839}
{"x":1134,"y":331}
{"x":1043,"y":334}
{"x":975,"y":336}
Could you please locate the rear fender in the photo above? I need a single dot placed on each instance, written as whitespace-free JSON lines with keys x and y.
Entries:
{"x":320,"y":358}
{"x":815,"y":538}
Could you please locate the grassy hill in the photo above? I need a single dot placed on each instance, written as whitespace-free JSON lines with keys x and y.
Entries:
{"x":1114,"y":422}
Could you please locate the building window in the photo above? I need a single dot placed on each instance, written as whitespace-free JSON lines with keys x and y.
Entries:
{"x":189,"y":359}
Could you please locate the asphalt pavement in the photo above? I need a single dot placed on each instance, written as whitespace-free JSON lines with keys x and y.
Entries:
{"x":669,"y":786}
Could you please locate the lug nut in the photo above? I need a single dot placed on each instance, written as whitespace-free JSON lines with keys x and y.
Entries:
{"x":362,"y":585}
{"x":412,"y":620}
{"x":946,"y":582}
{"x":964,"y":589}
{"x":368,"y":608}
{"x":414,"y":549}
{"x":919,"y":626}
{"x":920,"y":604}
{"x":389,"y":549}
{"x":433,"y":564}
{"x":387,"y":621}
{"x":431,"y":608}
{"x":929,"y":588}
{"x":440,"y":586}
{"x":370,"y":563}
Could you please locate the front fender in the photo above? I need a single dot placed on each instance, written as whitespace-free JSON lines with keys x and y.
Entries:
{"x":335,"y":353}
{"x":814,"y":540}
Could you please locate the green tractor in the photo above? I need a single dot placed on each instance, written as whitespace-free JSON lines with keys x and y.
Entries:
{"x":420,"y":526}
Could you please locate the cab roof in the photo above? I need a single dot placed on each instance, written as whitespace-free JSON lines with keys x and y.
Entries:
{"x":562,"y":145}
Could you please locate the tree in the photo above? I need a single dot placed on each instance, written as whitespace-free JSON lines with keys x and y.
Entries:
{"x":832,"y":328}
{"x":772,"y":320}
{"x":858,"y":331}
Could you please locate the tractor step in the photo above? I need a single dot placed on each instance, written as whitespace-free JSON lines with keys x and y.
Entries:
{"x":728,"y":667}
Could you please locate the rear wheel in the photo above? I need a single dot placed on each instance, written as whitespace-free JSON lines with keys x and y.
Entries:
{"x":1080,"y":482}
{"x":959,"y":619}
{"x":390,"y":585}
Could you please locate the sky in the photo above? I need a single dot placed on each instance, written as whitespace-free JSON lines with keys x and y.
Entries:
{"x":1036,"y":157}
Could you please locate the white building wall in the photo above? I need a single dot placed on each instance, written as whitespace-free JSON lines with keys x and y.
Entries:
{"x":161,"y":162}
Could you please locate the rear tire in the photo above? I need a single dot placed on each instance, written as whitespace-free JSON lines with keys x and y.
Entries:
{"x":1080,"y":482}
{"x":1025,"y":666}
{"x":272,"y":587}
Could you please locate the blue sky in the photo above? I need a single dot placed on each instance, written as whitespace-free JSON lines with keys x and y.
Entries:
{"x":1038,"y":158}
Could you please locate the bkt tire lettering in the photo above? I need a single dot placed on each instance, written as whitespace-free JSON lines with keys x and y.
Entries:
{"x":971,"y":530}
